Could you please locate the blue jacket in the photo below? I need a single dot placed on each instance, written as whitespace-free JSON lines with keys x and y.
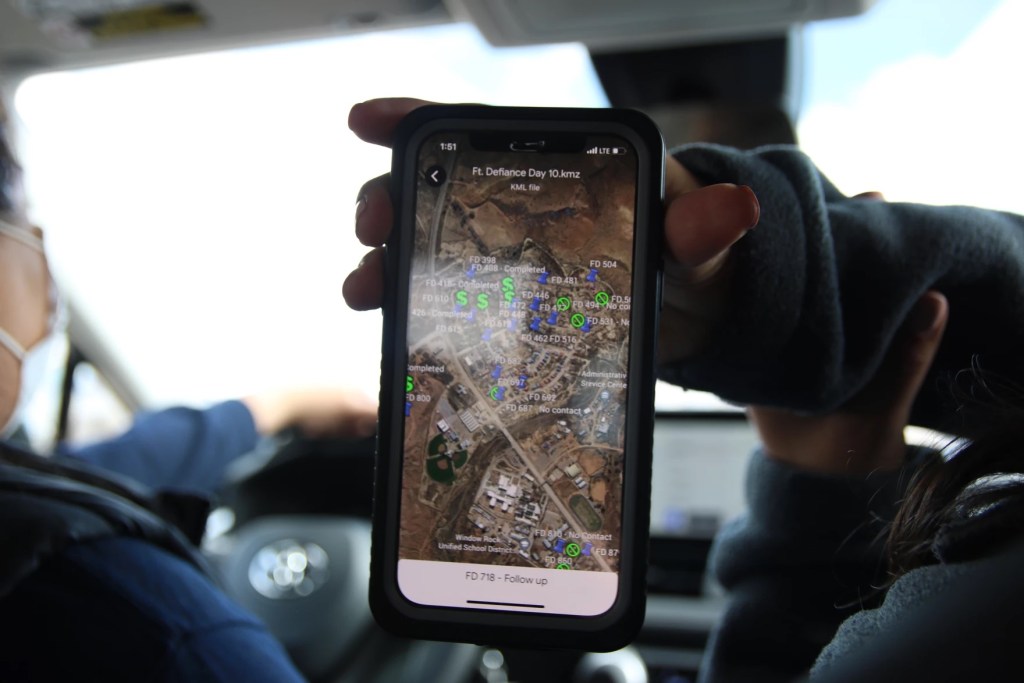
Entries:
{"x":820,"y":288}
{"x":99,"y":579}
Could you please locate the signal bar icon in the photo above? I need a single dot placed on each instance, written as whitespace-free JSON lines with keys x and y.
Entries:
{"x":592,"y":150}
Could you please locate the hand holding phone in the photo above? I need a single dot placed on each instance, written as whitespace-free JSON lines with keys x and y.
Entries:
{"x":701,"y":224}
{"x":514,"y":454}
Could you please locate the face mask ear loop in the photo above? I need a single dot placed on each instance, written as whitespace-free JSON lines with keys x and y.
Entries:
{"x":12,"y":345}
{"x":22,"y":235}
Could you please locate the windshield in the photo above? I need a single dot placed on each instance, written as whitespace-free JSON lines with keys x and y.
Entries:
{"x":199,"y":209}
{"x":916,"y":100}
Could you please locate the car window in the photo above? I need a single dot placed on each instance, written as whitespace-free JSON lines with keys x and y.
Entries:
{"x":199,"y":210}
{"x":915,"y":100}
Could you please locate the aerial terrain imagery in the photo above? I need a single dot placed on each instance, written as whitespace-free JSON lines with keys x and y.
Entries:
{"x":517,"y":353}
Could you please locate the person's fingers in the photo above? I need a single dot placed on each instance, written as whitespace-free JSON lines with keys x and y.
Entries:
{"x":873,"y":195}
{"x":374,"y":212}
{"x":335,"y":413}
{"x":318,"y":412}
{"x":678,"y":180}
{"x":866,"y":433}
{"x":375,"y":120}
{"x":702,"y":224}
{"x":364,"y":287}
{"x":913,"y":351}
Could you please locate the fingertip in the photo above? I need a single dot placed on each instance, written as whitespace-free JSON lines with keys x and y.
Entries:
{"x":375,"y":120}
{"x":753,"y":206}
{"x":929,"y":314}
{"x":355,"y":116}
{"x":374,"y":213}
{"x":873,"y":195}
{"x":363,"y":289}
{"x":703,"y":224}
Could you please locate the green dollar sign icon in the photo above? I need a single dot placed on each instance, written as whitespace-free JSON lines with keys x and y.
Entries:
{"x":408,"y":384}
{"x":508,"y":286}
{"x":461,"y":298}
{"x":482,"y":301}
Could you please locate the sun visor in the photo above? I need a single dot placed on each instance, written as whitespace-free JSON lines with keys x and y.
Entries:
{"x":47,"y":34}
{"x":614,"y":24}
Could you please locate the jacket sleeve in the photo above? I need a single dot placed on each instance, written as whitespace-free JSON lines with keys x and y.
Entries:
{"x":824,"y":281}
{"x":806,"y":555}
{"x":178,"y":448}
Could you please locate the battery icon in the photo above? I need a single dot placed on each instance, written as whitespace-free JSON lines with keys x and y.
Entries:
{"x":618,"y":150}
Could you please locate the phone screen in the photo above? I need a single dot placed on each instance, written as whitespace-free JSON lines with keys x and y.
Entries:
{"x":515,"y":397}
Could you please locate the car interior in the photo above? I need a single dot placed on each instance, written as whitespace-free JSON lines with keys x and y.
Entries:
{"x":191,"y":165}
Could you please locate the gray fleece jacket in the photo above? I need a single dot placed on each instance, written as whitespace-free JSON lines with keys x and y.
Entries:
{"x":822,"y":285}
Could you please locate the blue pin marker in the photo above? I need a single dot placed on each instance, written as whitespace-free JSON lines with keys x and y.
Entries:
{"x":486,"y":336}
{"x":471,"y":316}
{"x":522,"y":382}
{"x":586,"y":327}
{"x":408,"y":408}
{"x":543,"y":279}
{"x":535,"y":325}
{"x":496,"y":372}
{"x":553,"y":318}
{"x":500,"y":393}
{"x":535,"y":306}
{"x":592,"y":275}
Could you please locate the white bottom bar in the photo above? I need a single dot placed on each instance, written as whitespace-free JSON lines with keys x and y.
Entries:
{"x":516,"y":589}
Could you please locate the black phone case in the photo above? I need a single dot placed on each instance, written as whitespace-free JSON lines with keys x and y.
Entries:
{"x":617,"y":627}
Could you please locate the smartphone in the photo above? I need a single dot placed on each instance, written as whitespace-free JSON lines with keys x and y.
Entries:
{"x":516,"y":414}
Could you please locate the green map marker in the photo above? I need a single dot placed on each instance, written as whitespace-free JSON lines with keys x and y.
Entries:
{"x":563,"y":303}
{"x":602,"y":298}
{"x":578,"y":320}
{"x":572,"y":550}
{"x":508,"y":288}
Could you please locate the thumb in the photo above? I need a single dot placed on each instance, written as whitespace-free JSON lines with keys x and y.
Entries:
{"x":912,"y":354}
{"x":700,"y":227}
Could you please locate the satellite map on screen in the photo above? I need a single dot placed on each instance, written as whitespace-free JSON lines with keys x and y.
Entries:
{"x":517,"y":355}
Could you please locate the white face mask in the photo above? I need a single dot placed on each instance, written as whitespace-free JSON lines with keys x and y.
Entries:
{"x":34,"y":360}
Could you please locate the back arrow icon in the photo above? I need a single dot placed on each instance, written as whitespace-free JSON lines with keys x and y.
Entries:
{"x":435,"y":175}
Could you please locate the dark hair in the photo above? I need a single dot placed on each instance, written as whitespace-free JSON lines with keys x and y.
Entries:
{"x":963,"y":507}
{"x":9,"y":169}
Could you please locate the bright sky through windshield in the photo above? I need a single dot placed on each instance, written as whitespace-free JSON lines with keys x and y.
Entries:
{"x":200,"y":209}
{"x":922,"y":104}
